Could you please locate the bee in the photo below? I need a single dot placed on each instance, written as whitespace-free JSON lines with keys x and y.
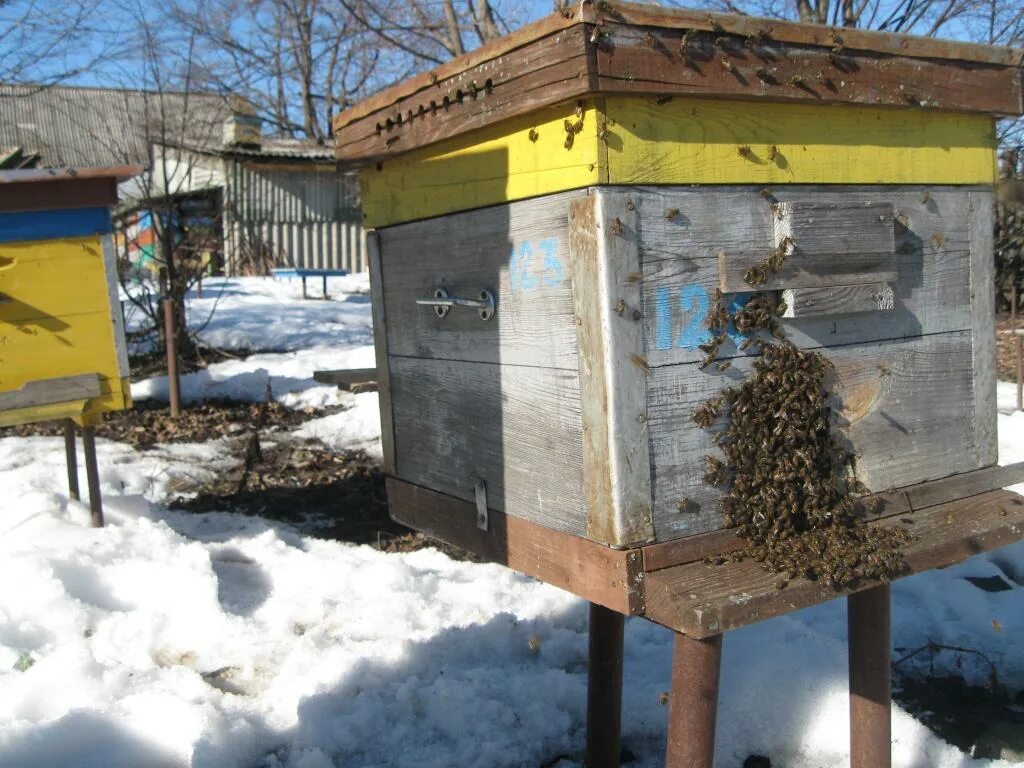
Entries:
{"x":745,"y":151}
{"x":570,"y":139}
{"x":685,"y":505}
{"x":716,"y":27}
{"x":684,"y":42}
{"x":533,"y":135}
{"x":773,"y":152}
{"x":671,"y":214}
{"x":620,"y":308}
{"x":662,"y":100}
{"x":727,"y":65}
{"x":715,"y":472}
{"x":764,"y":75}
{"x":617,"y":227}
{"x":796,"y":80}
{"x":755,"y":276}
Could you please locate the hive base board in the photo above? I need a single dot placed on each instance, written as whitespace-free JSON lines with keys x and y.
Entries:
{"x":703,"y":600}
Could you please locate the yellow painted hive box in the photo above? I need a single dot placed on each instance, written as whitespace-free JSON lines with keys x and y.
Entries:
{"x":558,"y":220}
{"x":62,"y":343}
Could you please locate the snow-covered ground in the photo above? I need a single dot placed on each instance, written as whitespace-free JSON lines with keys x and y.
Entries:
{"x":174,"y":639}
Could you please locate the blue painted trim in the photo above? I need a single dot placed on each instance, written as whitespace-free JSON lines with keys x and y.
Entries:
{"x":50,"y":225}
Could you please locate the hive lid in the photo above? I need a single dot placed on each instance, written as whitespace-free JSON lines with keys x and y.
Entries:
{"x":59,"y":188}
{"x":611,"y":47}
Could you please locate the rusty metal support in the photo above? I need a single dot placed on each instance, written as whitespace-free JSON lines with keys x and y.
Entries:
{"x":171,"y":340}
{"x":604,"y":688}
{"x":869,"y":626}
{"x":92,"y":475}
{"x":693,"y":706}
{"x":71,"y":457}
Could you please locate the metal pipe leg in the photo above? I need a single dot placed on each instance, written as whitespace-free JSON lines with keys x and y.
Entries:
{"x":92,"y":475}
{"x":71,"y":457}
{"x":868,"y":616}
{"x":693,"y":706}
{"x":604,"y":688}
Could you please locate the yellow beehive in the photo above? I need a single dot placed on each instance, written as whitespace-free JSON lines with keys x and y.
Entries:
{"x":62,"y":345}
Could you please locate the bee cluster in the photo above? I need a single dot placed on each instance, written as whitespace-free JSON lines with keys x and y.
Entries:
{"x":789,"y":486}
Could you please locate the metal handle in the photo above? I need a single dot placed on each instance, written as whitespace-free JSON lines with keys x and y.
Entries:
{"x":443,"y":303}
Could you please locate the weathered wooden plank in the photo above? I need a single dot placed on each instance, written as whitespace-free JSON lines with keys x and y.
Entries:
{"x":612,"y":371}
{"x":608,"y":577}
{"x":544,"y":73}
{"x":703,"y":600}
{"x":983,"y":324}
{"x":49,"y":391}
{"x":645,"y":15}
{"x":840,"y":228}
{"x":906,"y":407}
{"x":380,"y":345}
{"x":517,"y":428}
{"x":348,"y":378}
{"x":838,"y":300}
{"x":655,"y":61}
{"x":682,"y":230}
{"x":911,"y":498}
{"x":806,"y":271}
{"x":520,"y":252}
{"x":519,"y":38}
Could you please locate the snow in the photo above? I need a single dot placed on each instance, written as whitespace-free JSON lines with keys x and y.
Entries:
{"x":171,"y":639}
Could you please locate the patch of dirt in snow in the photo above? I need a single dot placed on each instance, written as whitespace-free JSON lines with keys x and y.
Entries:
{"x":149,"y":422}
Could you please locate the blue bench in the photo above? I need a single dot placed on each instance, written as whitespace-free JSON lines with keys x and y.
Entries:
{"x":290,"y":272}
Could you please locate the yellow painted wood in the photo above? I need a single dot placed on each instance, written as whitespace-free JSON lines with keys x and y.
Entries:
{"x":56,"y":320}
{"x":691,"y":141}
{"x":684,"y":141}
{"x":511,"y":160}
{"x":52,"y":279}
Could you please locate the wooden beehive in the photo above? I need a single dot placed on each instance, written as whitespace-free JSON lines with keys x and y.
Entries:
{"x":600,"y":176}
{"x":62,"y":345}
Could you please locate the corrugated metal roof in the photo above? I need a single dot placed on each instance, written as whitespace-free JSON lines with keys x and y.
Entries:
{"x":79,"y":126}
{"x":276,"y":147}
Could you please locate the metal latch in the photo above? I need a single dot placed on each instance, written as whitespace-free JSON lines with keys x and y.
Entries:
{"x":443,"y":303}
{"x":481,"y":505}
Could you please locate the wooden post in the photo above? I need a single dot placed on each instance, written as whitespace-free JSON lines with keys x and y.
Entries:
{"x":604,"y":688}
{"x":1019,"y":342}
{"x":71,"y":457}
{"x":868,"y":619}
{"x":171,"y":340}
{"x":693,"y":706}
{"x":92,"y":475}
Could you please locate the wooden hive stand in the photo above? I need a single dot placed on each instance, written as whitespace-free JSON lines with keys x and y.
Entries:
{"x":64,"y":356}
{"x":552,"y":218}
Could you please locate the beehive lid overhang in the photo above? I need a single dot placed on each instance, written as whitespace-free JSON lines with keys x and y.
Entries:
{"x":62,"y":188}
{"x":623,"y":48}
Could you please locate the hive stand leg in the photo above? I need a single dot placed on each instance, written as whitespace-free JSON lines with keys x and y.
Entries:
{"x":868,"y":617}
{"x":604,"y":688}
{"x":92,"y":475}
{"x":693,"y":705}
{"x":71,"y":456}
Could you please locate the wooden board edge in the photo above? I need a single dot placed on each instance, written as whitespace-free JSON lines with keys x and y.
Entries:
{"x":998,"y":520}
{"x":609,"y":577}
{"x":607,"y":301}
{"x":114,"y":302}
{"x":982,"y":267}
{"x":380,"y":348}
{"x":809,"y":34}
{"x":914,"y":498}
{"x":521,"y":37}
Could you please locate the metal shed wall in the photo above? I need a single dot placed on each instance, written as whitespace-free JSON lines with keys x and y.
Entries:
{"x":305,"y":216}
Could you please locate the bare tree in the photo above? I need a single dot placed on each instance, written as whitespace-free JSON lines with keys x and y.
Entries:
{"x":46,"y":41}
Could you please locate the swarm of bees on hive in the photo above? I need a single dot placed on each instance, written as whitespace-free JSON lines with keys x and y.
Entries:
{"x":789,"y":487}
